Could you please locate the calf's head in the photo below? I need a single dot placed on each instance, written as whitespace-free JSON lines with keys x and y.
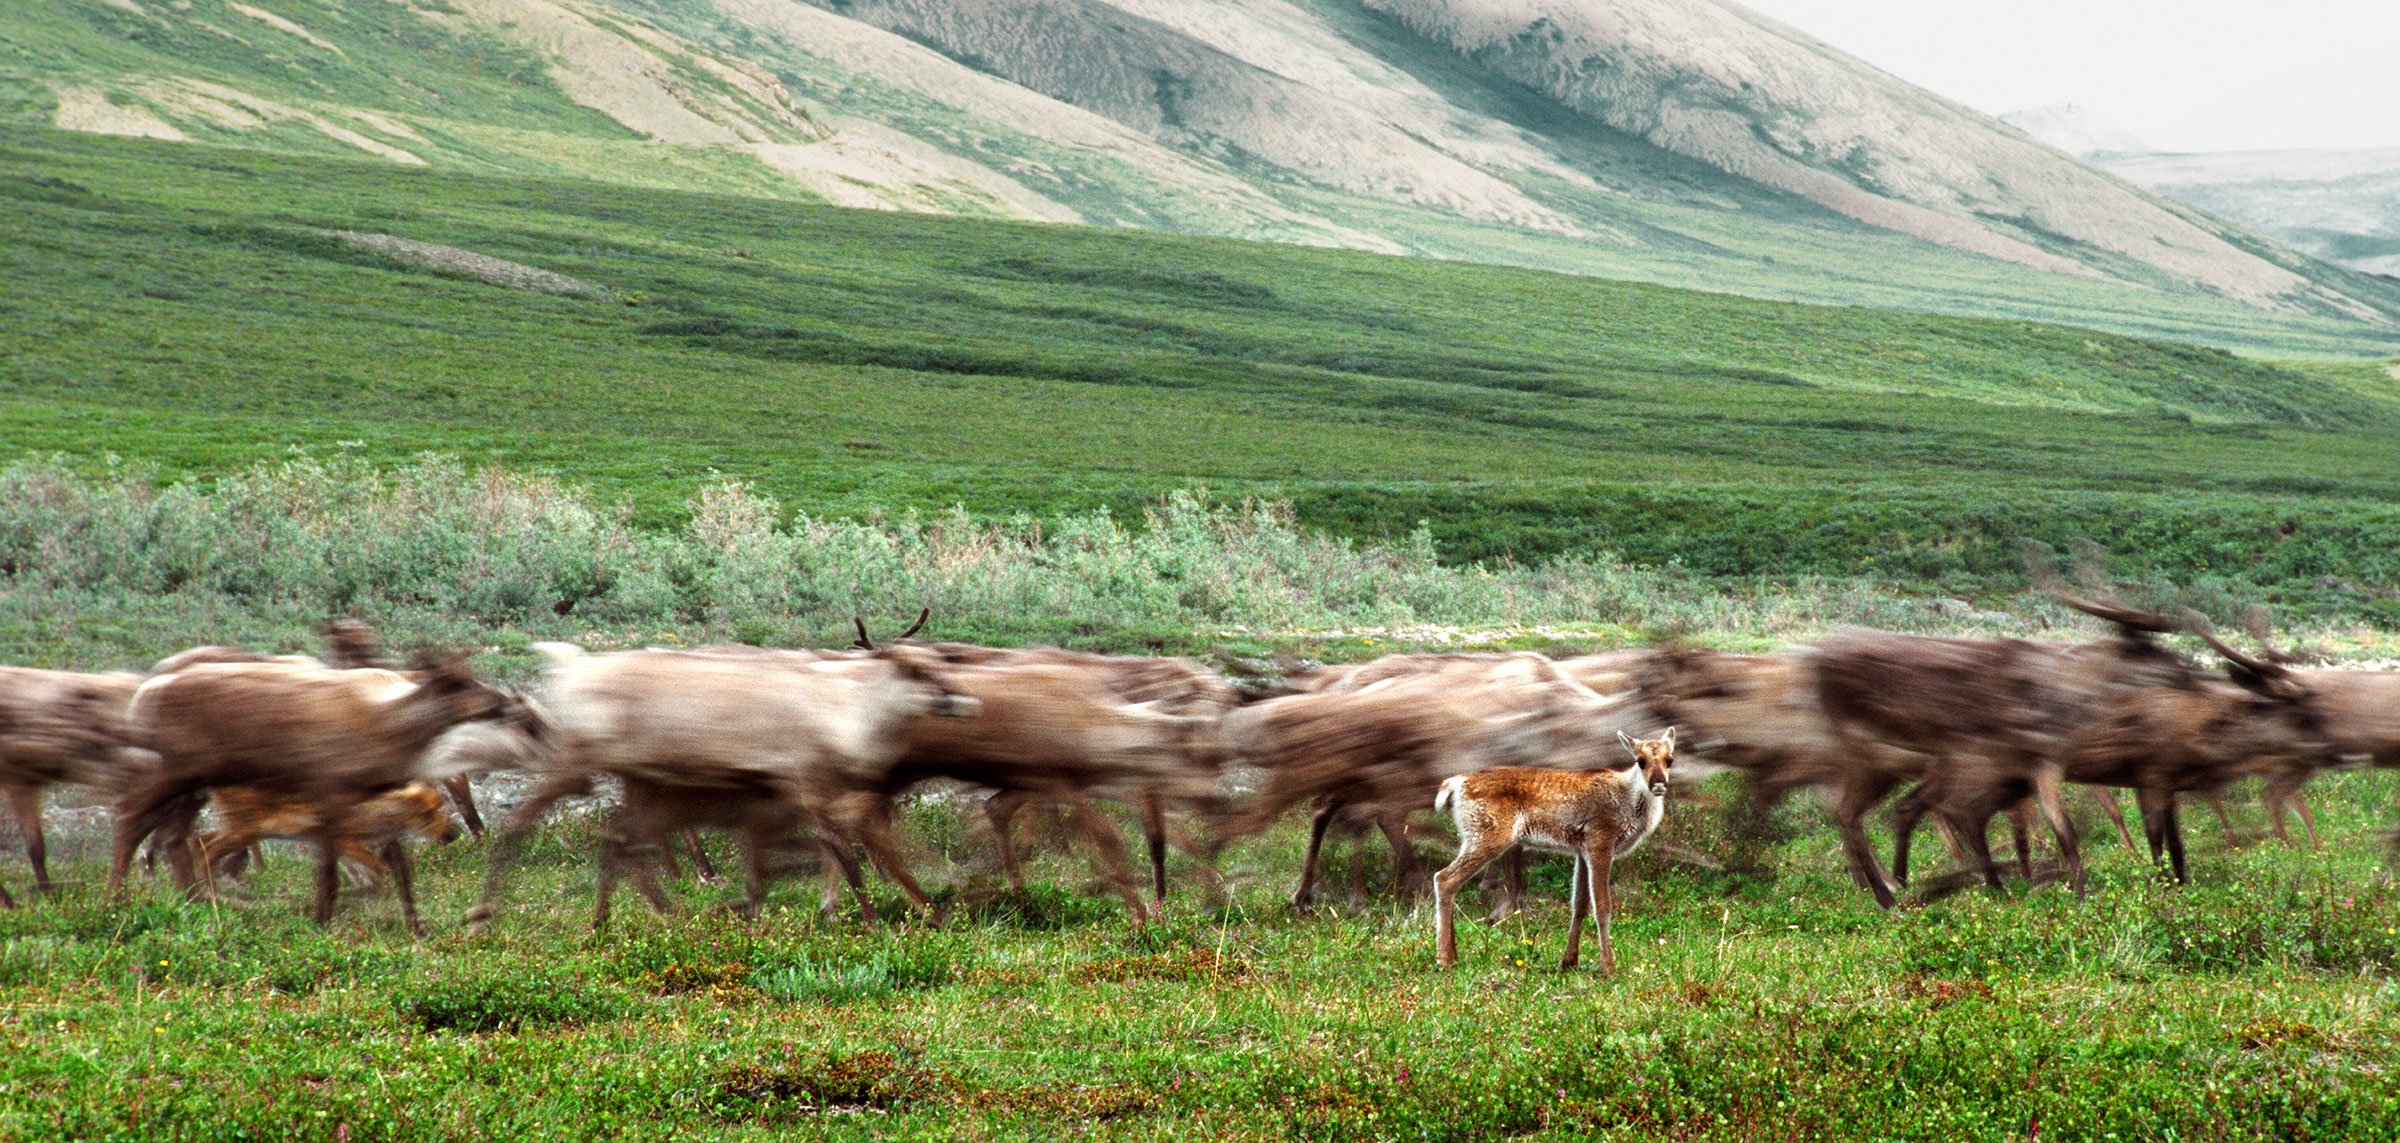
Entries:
{"x":1653,"y":756}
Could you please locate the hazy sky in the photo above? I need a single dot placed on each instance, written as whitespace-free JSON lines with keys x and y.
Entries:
{"x":2183,"y":75}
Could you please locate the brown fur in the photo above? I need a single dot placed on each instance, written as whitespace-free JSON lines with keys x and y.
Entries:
{"x":247,"y":816}
{"x":1332,"y":815}
{"x":742,"y":725}
{"x":329,"y":737}
{"x":58,"y":726}
{"x":651,"y":812}
{"x":200,"y":656}
{"x":1377,"y":743}
{"x":2165,"y":741}
{"x":1173,"y":686}
{"x":1993,"y":714}
{"x":1598,"y":816}
{"x":353,"y":645}
{"x":1759,"y":714}
{"x":350,"y":645}
{"x":1064,"y":728}
{"x":1607,"y":674}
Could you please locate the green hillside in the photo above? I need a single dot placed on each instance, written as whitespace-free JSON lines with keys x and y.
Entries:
{"x":1070,"y":114}
{"x":178,"y":305}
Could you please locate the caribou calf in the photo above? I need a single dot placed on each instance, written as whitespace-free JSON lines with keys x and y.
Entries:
{"x":248,"y":816}
{"x":1598,"y":816}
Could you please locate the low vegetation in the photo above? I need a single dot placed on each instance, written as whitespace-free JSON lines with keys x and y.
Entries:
{"x":2258,"y":1002}
{"x":113,"y":569}
{"x":228,"y":426}
{"x":176,"y":306}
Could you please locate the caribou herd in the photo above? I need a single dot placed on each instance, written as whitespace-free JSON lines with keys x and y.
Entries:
{"x":792,"y":750}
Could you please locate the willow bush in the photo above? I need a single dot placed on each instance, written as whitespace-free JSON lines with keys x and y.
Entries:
{"x":104,"y":565}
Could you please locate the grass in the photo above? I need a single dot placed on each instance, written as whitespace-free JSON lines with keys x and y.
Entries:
{"x":2257,"y":1002}
{"x":462,"y":93}
{"x":170,"y":305}
{"x":222,"y":425}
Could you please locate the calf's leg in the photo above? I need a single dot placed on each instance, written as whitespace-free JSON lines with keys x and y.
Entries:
{"x":404,"y":882}
{"x":1154,"y":835}
{"x":1578,"y":900}
{"x":1000,"y":810}
{"x":1318,"y":822}
{"x":461,"y":788}
{"x":1600,"y":857}
{"x":26,"y":800}
{"x":1476,"y":849}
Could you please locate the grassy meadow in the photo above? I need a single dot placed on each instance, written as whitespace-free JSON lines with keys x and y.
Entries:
{"x":217,"y":423}
{"x":174,"y":306}
{"x":2259,"y":1002}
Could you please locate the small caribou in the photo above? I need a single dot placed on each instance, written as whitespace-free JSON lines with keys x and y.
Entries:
{"x":1598,"y":816}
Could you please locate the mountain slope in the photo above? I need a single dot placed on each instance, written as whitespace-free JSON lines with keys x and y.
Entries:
{"x":2341,"y":206}
{"x":1540,"y":133}
{"x":1760,"y":99}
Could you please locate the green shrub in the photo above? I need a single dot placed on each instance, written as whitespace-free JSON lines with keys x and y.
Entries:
{"x":804,"y":978}
{"x":508,"y":1003}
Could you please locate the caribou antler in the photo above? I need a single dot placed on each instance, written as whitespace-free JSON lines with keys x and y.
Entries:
{"x":2099,"y":599}
{"x":2252,"y":672}
{"x":866,"y":644}
{"x":351,"y":644}
{"x":2114,"y":611}
{"x":2091,"y":569}
{"x":2263,"y":633}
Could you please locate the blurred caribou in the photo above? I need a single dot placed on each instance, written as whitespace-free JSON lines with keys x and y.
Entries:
{"x":1996,"y":716}
{"x":759,"y":738}
{"x":1378,"y":741}
{"x":58,"y":727}
{"x":331,"y":738}
{"x":1064,"y":727}
{"x":1761,"y":715}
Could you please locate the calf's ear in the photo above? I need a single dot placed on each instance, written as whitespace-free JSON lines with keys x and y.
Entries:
{"x":1627,"y":739}
{"x":1669,"y":736}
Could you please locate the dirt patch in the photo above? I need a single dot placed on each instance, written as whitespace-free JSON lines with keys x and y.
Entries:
{"x":238,"y":110}
{"x":791,"y":1087}
{"x":85,"y":109}
{"x":286,"y":27}
{"x":481,"y":267}
{"x":631,"y":75}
